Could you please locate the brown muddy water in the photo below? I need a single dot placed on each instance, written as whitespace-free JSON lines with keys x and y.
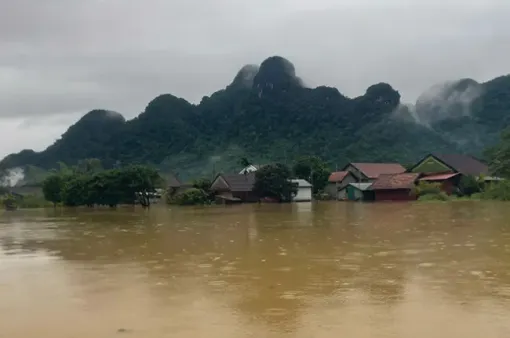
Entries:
{"x":303,"y":270}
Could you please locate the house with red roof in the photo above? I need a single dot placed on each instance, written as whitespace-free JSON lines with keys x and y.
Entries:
{"x":370,"y":172}
{"x":447,"y":181}
{"x":395,"y":187}
{"x":337,"y":181}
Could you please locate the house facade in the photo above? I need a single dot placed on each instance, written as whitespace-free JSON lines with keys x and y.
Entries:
{"x":174,"y":185}
{"x":395,"y":187}
{"x":235,"y":187}
{"x":448,"y":169}
{"x":369,"y":172}
{"x":304,"y":191}
{"x":448,"y":182}
{"x":456,"y":163}
{"x":337,"y":182}
{"x":358,"y":192}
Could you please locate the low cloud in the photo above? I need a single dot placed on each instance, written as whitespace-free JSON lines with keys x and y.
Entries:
{"x":447,"y":100}
{"x":61,"y":57}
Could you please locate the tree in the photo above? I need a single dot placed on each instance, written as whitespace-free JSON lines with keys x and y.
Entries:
{"x":244,"y":162}
{"x":499,"y":156}
{"x":9,"y":202}
{"x":274,"y":181}
{"x":470,"y":185}
{"x":89,"y":165}
{"x":108,"y":187}
{"x":314,"y":170}
{"x":202,"y":184}
{"x":191,"y":196}
{"x":52,"y":188}
{"x":140,"y":181}
{"x":75,"y":191}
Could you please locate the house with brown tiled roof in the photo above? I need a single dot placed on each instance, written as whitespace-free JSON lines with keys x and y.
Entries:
{"x":369,"y":172}
{"x":448,"y":169}
{"x":395,"y":187}
{"x":235,"y":187}
{"x":337,"y":181}
{"x":455,"y":163}
{"x":174,"y":185}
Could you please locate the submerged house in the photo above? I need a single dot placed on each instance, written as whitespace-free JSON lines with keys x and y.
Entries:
{"x":447,"y":181}
{"x":358,"y":192}
{"x":337,"y":182}
{"x":370,"y":172}
{"x":395,"y":187}
{"x":448,"y":169}
{"x":304,"y":191}
{"x":174,"y":185}
{"x":452,"y":163}
{"x":232,"y":188}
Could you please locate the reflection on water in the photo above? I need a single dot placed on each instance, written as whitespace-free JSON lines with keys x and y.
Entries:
{"x":321,"y":270}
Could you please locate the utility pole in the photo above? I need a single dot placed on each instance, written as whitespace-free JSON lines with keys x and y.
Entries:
{"x":336,"y":183}
{"x":311,"y":179}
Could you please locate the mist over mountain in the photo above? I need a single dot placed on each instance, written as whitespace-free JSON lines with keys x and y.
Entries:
{"x":268,"y":114}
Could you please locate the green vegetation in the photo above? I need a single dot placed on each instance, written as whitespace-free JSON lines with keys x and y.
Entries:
{"x":198,"y":194}
{"x":499,"y":163}
{"x":33,"y":202}
{"x":499,"y":156}
{"x":267,"y":115}
{"x":314,"y":170}
{"x":470,"y":185}
{"x":273,"y":181}
{"x":426,"y":191}
{"x":192,"y":196}
{"x":499,"y":191}
{"x":53,"y":187}
{"x":441,"y":196}
{"x":9,"y":202}
{"x":89,"y":185}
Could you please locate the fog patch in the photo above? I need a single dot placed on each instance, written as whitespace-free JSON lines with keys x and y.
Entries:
{"x":449,"y":100}
{"x":11,"y":177}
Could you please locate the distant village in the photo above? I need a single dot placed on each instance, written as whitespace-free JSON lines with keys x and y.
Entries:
{"x":360,"y":181}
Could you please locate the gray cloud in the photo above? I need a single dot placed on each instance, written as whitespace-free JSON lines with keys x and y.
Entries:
{"x":66,"y":57}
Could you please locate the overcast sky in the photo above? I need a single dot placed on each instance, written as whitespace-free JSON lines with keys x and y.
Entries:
{"x":61,"y":58}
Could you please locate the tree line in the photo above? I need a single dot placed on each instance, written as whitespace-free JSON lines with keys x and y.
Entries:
{"x":88,"y":184}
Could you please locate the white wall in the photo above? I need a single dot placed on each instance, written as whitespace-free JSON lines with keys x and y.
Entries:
{"x":304,"y":194}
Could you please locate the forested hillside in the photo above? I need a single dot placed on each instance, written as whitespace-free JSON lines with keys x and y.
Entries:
{"x":267,"y":114}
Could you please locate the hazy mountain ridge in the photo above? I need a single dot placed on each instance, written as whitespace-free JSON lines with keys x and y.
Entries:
{"x":267,"y":114}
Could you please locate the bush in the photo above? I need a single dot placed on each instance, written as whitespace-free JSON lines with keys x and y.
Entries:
{"x":33,"y":202}
{"x":477,"y":196}
{"x":441,"y":196}
{"x":191,"y":196}
{"x":425,"y":188}
{"x":470,"y":185}
{"x":9,"y":201}
{"x":499,"y":191}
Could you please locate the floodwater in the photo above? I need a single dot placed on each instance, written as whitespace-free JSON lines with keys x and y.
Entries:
{"x":306,"y":270}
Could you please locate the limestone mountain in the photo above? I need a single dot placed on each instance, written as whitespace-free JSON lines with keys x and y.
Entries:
{"x":268,"y":114}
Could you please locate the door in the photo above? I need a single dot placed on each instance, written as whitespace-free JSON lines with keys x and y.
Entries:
{"x":351,"y":193}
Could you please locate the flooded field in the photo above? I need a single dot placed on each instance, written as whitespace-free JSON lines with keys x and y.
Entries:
{"x":305,"y":270}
